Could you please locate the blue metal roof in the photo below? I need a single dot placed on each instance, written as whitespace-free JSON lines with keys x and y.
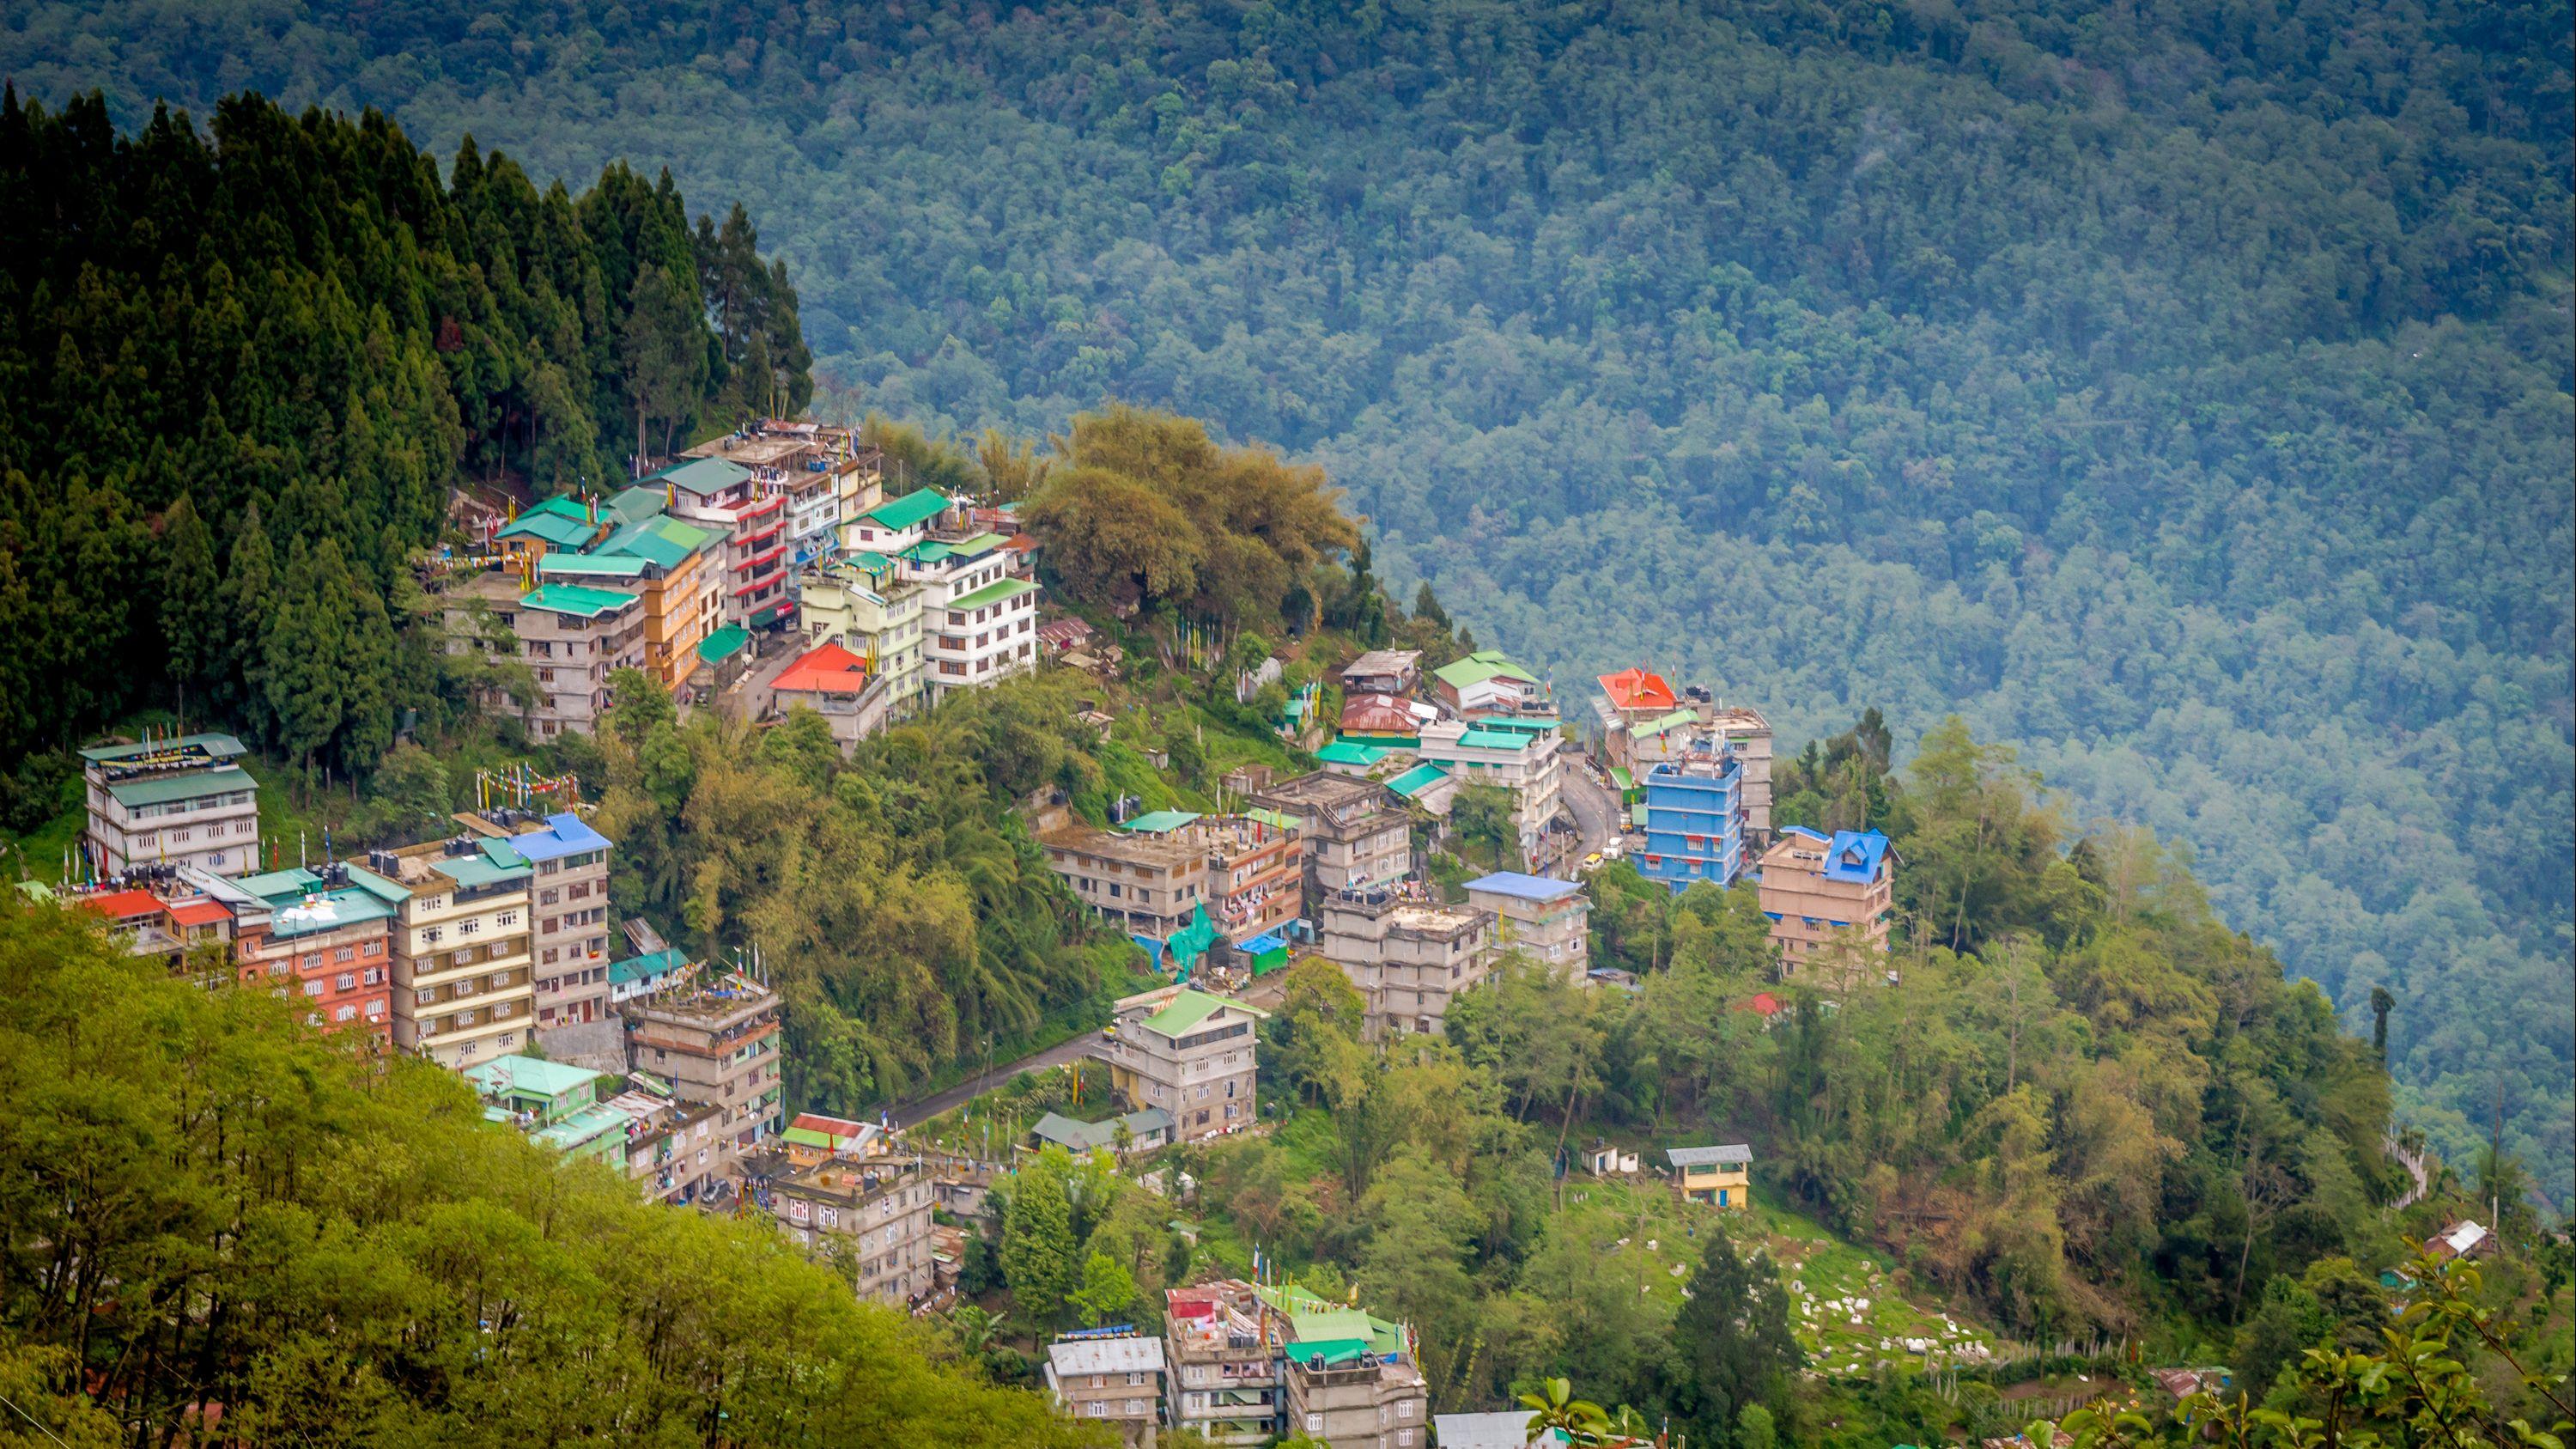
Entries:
{"x":564,"y":835}
{"x":1855,"y":855}
{"x":1526,"y":887}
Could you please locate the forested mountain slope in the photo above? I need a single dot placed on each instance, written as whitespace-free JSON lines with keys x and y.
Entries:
{"x":2184,"y":393}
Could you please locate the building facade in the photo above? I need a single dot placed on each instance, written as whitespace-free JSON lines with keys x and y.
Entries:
{"x":750,"y":522}
{"x":570,"y":905}
{"x":1523,"y":761}
{"x":1717,"y":1176}
{"x":1150,"y":883}
{"x":872,"y":1214}
{"x":1694,"y":821}
{"x":1358,"y":834}
{"x":1348,"y":1378}
{"x":1107,"y":1378}
{"x":1486,"y":682}
{"x":324,"y":935}
{"x":462,"y":990}
{"x":569,"y":635}
{"x":834,"y":683}
{"x":1190,"y":1054}
{"x":715,"y":1041}
{"x":174,"y":802}
{"x":1828,"y":896}
{"x":1221,"y":1368}
{"x":1546,"y":919}
{"x":1407,"y":958}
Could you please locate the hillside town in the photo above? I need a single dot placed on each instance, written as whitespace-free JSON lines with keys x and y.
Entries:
{"x":768,"y":573}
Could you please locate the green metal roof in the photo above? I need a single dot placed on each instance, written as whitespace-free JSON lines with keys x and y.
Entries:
{"x":582,"y":1128}
{"x":1654,"y":727}
{"x":574,"y":599}
{"x":1158,"y":822}
{"x":635,"y":968}
{"x":479,"y":869}
{"x":593,"y":565}
{"x":808,"y":1137}
{"x":1416,"y":780}
{"x":723,"y":644}
{"x":1280,"y":818}
{"x":162,"y":789}
{"x":221,"y":746}
{"x":533,"y":1076}
{"x":1188,"y":1009}
{"x":661,"y":540}
{"x":1480,"y":738}
{"x":1620,"y":777}
{"x":1480,"y":666}
{"x":632,"y":504}
{"x":982,"y":543}
{"x":1346,"y":752}
{"x":910,"y":511}
{"x":994,"y":593}
{"x":701,"y":476}
{"x":558,"y":522}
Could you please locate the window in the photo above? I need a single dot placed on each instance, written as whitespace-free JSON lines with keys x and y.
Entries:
{"x":375,"y":975}
{"x":313,"y":987}
{"x":345,"y":981}
{"x":346,"y":1013}
{"x":468,"y":928}
{"x":507,"y":918}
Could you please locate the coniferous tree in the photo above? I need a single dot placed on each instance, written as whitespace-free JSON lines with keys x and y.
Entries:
{"x":190,"y":623}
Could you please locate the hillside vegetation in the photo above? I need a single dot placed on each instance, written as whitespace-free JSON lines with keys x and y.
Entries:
{"x":2181,"y":392}
{"x":229,"y":1219}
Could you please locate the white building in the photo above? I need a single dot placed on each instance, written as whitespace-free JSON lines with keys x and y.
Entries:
{"x":1494,"y":752}
{"x":171,"y":802}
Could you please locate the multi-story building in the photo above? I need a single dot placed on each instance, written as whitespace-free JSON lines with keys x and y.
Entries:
{"x":861,"y":604}
{"x":325,"y":935}
{"x":1718,"y":1176}
{"x":675,"y":568}
{"x":183,"y":801}
{"x":823,"y":473}
{"x":751,"y":520}
{"x":873,"y":1211}
{"x":570,"y":897}
{"x":1112,"y":1378}
{"x":894,"y":525}
{"x":569,"y":635}
{"x":1221,"y":1368}
{"x":834,"y":683}
{"x":1349,"y":1379}
{"x":1406,"y":957}
{"x":673,"y":1150}
{"x":715,"y":1041}
{"x":1694,"y":820}
{"x":1357,"y":833}
{"x":1256,"y":871}
{"x":1190,"y":1054}
{"x":1503,"y":754}
{"x":979,"y":618}
{"x":1486,"y":682}
{"x":1699,"y":725}
{"x":1545,"y":919}
{"x":461,"y":986}
{"x":1828,"y":899}
{"x":1149,"y":880}
{"x":557,"y":525}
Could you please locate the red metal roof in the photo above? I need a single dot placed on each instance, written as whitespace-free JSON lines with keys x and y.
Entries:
{"x":1377,"y":714}
{"x":1763,"y":1002}
{"x":826,"y":669}
{"x":1635,"y":688}
{"x":199,"y":913}
{"x":124,"y":905}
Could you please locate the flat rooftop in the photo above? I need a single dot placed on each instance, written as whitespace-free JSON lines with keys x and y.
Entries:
{"x":1323,"y":788}
{"x":1165,"y":851}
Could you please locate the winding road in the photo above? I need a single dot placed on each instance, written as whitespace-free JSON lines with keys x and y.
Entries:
{"x":1594,"y":808}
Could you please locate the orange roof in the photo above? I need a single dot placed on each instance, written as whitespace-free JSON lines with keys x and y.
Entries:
{"x":199,"y":913}
{"x":1763,"y":1002}
{"x":124,"y":905}
{"x":827,"y":669}
{"x":1021,"y":543}
{"x":1634,"y":688}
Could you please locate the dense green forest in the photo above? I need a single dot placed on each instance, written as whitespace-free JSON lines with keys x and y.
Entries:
{"x":245,"y":364}
{"x":229,"y":1219}
{"x":2182,"y":392}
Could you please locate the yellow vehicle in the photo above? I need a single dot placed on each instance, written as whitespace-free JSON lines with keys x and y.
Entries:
{"x":1592,"y":861}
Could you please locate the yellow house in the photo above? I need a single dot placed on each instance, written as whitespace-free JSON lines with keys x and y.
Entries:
{"x":1718,"y":1176}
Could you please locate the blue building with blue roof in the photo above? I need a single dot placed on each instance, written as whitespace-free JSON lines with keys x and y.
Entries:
{"x":1694,"y":820}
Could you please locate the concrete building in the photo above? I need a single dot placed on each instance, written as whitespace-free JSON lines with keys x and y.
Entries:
{"x":1406,"y":957}
{"x":1190,"y":1054}
{"x":1717,"y":1176}
{"x":834,"y":683}
{"x":569,"y":896}
{"x":1486,"y":682}
{"x":1221,"y":1363}
{"x":1521,"y":760}
{"x":715,"y":1041}
{"x":1698,"y":725}
{"x":569,"y":635}
{"x":750,"y":520}
{"x":824,"y":474}
{"x":895,"y":524}
{"x":325,"y":935}
{"x":1358,"y":833}
{"x":1546,"y":919}
{"x":1348,"y":1378}
{"x":673,"y":1152}
{"x":1100,"y":1377}
{"x":462,"y":991}
{"x":1256,"y":871}
{"x":980,"y":635}
{"x":1147,"y":1131}
{"x":1828,"y":898}
{"x":184,"y":801}
{"x":872,"y":1214}
{"x":861,"y":606}
{"x":1694,"y":820}
{"x":1150,"y":882}
{"x":673,"y":569}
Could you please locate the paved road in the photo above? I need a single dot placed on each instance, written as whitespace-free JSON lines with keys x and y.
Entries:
{"x":1594,"y":808}
{"x":913,"y":1114}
